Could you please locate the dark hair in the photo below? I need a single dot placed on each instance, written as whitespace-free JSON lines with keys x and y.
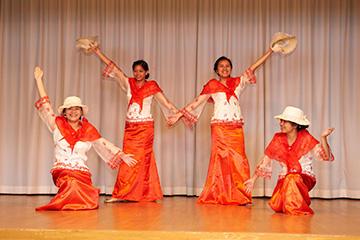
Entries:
{"x":301,"y":127}
{"x":298,"y":126}
{"x":219,"y":60}
{"x":143,"y":64}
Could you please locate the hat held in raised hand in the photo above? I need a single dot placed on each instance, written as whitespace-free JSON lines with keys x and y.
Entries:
{"x":283,"y":43}
{"x":87,"y":44}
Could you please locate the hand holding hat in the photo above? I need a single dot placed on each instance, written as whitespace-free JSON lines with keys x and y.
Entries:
{"x":283,"y":43}
{"x":87,"y":44}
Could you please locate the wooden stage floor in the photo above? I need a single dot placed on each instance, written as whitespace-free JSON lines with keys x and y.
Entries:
{"x":176,"y":218}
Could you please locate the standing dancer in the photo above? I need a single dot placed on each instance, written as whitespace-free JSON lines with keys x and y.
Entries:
{"x":73,"y":137}
{"x":141,"y":182}
{"x":229,"y":167}
{"x":294,"y":148}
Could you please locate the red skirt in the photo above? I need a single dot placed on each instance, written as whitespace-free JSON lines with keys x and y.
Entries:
{"x":291,"y":194}
{"x":141,"y":182}
{"x":229,"y":167}
{"x":75,"y":191}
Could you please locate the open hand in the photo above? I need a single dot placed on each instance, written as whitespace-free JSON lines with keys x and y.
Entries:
{"x":127,"y":158}
{"x":327,"y":132}
{"x":38,"y":73}
{"x":172,"y":119}
{"x":249,"y":185}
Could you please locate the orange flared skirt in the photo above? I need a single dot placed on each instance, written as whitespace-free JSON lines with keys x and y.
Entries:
{"x":291,"y":194}
{"x":229,"y":167}
{"x":141,"y":182}
{"x":75,"y":191}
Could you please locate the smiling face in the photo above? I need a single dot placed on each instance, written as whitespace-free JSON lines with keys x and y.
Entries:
{"x":73,"y":114}
{"x":224,"y":69}
{"x":139,"y":73}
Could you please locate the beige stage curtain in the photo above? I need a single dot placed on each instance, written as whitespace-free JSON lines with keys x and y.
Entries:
{"x":180,"y":39}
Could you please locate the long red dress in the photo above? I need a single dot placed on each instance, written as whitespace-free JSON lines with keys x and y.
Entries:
{"x":229,"y":166}
{"x":70,"y":172}
{"x":141,"y":182}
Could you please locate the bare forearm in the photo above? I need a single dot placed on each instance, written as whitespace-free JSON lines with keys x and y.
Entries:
{"x":325,"y":146}
{"x":161,"y":98}
{"x":41,"y":88}
{"x":102,"y":56}
{"x":38,"y":75}
{"x":197,"y":101}
{"x":261,"y":60}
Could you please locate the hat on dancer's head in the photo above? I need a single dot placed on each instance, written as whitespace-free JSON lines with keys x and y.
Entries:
{"x":73,"y":101}
{"x":295,"y":115}
{"x":286,"y":43}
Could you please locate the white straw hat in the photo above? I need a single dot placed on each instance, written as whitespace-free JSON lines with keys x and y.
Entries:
{"x":73,"y":101}
{"x":286,"y":42}
{"x":295,"y":115}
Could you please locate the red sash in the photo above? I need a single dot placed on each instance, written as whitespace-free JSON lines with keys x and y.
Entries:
{"x":86,"y":132}
{"x":214,"y":86}
{"x":139,"y":93}
{"x":280,"y":150}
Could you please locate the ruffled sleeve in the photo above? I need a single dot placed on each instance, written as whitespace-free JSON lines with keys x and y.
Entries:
{"x":108,"y":152}
{"x":248,"y":77}
{"x":319,"y":153}
{"x":193,"y":110}
{"x":264,"y":167}
{"x":167,"y":108}
{"x":112,"y":71}
{"x":46,"y":112}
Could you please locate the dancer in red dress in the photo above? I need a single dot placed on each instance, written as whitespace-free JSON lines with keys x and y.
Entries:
{"x":294,"y":148}
{"x":141,"y":182}
{"x":73,"y":137}
{"x":229,"y":166}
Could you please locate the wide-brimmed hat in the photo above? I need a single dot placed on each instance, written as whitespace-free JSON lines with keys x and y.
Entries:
{"x":73,"y":101}
{"x":286,"y":42}
{"x":87,"y":44}
{"x":295,"y":115}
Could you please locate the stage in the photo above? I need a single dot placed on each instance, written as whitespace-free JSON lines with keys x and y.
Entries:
{"x":176,"y":218}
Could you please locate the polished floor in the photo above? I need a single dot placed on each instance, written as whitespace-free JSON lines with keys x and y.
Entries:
{"x":333,"y":218}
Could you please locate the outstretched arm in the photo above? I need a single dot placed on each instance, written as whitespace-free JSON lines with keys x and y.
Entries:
{"x":192,"y":111}
{"x":263,"y":169}
{"x":91,"y":46}
{"x":276,"y":47}
{"x":38,"y":74}
{"x":117,"y":70}
{"x":169,"y":110}
{"x":111,"y":154}
{"x":261,"y":60}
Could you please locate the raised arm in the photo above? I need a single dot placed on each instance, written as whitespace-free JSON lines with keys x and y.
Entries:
{"x":119,"y":74}
{"x":324,"y":142}
{"x":91,"y":46}
{"x":261,"y":59}
{"x":281,"y":43}
{"x":38,"y":74}
{"x":43,"y":106}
